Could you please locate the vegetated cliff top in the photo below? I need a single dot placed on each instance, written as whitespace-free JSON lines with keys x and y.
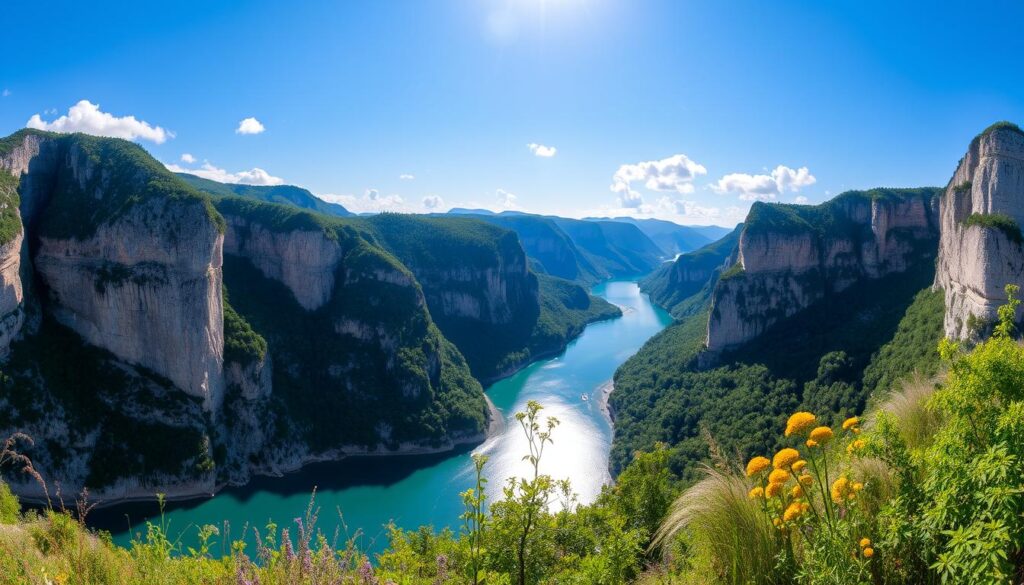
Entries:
{"x":1001,"y":125}
{"x":284,"y":194}
{"x":827,"y":217}
{"x":121,"y":174}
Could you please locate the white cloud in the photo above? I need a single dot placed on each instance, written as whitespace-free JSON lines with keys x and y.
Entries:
{"x":800,"y":199}
{"x":406,"y":176}
{"x":765,"y":187}
{"x":675,"y":173}
{"x":432,"y":202}
{"x":86,"y":117}
{"x":249,"y":126}
{"x":188,"y":158}
{"x":507,"y":200}
{"x":370,"y":202}
{"x":541,"y":150}
{"x":255,"y":176}
{"x":6,"y":92}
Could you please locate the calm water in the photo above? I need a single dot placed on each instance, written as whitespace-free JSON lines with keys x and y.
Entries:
{"x":424,"y":490}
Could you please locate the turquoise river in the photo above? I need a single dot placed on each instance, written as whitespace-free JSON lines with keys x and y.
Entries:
{"x":360,"y":496}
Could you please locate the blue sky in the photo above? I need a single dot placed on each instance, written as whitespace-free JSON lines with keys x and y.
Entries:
{"x":679,"y":109}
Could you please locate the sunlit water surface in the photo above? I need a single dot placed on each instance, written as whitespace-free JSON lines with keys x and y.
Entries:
{"x":365,"y":494}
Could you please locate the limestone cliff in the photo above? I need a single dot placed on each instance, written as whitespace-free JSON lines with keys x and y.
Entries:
{"x":980,"y":248}
{"x":129,"y":271}
{"x":790,"y":256}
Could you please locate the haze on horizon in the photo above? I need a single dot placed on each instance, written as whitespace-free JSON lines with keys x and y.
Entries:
{"x":686,"y":111}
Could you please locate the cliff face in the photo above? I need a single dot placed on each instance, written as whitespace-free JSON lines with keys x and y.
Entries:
{"x":125,"y":361}
{"x":303,"y":260}
{"x":980,"y":249}
{"x":136,"y":282}
{"x":791,"y":256}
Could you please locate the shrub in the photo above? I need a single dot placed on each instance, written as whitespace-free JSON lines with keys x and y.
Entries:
{"x":999,"y":221}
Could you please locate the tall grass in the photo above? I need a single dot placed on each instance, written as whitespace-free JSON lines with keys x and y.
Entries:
{"x":917,"y":422}
{"x":723,"y":530}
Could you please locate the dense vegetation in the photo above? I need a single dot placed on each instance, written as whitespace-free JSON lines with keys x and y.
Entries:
{"x":930,"y":492}
{"x":10,"y":221}
{"x":54,"y":375}
{"x":673,"y":285}
{"x":829,"y":218}
{"x":241,"y":343}
{"x":999,"y":221}
{"x":284,"y":194}
{"x":123,"y":171}
{"x":828,"y":358}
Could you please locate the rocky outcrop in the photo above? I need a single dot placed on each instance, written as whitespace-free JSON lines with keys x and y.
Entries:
{"x":791,"y":256}
{"x":980,"y":250}
{"x":304,"y":260}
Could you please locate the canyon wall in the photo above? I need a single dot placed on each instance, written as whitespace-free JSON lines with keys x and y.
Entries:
{"x":790,"y":256}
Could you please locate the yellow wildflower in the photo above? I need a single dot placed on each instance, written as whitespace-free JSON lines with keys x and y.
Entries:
{"x":785,"y":458}
{"x":779,"y":476}
{"x":757,"y":465}
{"x":821,"y":435}
{"x":869,"y":552}
{"x":777,"y":522}
{"x":840,"y":489}
{"x":857,"y":486}
{"x":850,"y":423}
{"x":804,"y":507}
{"x":865,"y":542}
{"x":855,"y":446}
{"x":797,"y":491}
{"x":811,"y":443}
{"x":792,"y":512}
{"x":799,"y":466}
{"x":799,"y":422}
{"x":756,"y":493}
{"x":773,"y":490}
{"x":806,"y":479}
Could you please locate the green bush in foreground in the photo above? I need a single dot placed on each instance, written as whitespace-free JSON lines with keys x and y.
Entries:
{"x":932,"y":492}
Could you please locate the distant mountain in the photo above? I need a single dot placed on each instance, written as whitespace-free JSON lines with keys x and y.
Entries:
{"x":618,"y":248}
{"x":468,"y":211}
{"x":715,"y":232}
{"x":671,"y":237}
{"x":549,"y":247}
{"x":285,"y":194}
{"x":582,"y":250}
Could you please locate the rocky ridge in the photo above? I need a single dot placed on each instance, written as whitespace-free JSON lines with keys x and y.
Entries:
{"x":791,"y":256}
